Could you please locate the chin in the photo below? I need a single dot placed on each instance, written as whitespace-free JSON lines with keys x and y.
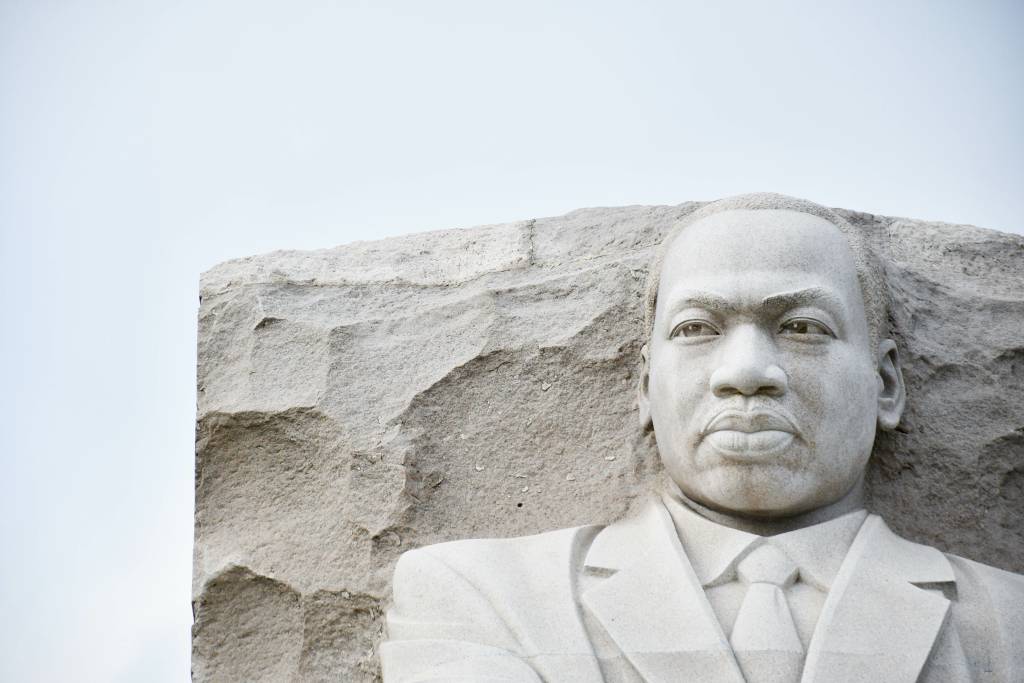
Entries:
{"x":757,"y":491}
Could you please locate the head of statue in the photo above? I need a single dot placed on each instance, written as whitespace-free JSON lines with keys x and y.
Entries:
{"x":767,"y":368}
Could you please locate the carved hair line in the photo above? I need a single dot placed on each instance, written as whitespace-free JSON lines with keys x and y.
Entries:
{"x":869,"y":270}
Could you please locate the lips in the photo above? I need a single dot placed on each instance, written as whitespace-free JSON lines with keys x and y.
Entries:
{"x":750,"y":435}
{"x":749,"y":422}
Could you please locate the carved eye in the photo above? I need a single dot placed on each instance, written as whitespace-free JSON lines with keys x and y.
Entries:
{"x":695,"y":328}
{"x":804,"y":326}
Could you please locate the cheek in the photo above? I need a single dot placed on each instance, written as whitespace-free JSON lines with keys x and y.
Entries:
{"x":676,"y":393}
{"x":676,"y":386}
{"x":843,"y":381}
{"x":841,"y":400}
{"x":855,"y":392}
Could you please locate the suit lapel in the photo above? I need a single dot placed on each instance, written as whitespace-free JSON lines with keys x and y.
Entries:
{"x":876,"y":624}
{"x":652,"y":604}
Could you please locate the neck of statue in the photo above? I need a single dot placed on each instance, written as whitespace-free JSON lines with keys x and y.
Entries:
{"x":771,"y":526}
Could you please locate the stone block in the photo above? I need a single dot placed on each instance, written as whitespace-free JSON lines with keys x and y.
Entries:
{"x":361,"y":401}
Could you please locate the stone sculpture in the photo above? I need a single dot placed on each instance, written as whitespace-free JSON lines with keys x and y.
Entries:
{"x":766,"y":369}
{"x":363,"y":400}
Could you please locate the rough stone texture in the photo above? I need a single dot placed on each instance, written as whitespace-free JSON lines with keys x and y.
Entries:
{"x":361,"y":401}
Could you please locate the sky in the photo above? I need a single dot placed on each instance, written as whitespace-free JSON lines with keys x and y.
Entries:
{"x":143,"y":142}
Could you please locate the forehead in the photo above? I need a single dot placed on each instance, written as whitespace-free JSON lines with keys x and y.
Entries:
{"x":758,"y":253}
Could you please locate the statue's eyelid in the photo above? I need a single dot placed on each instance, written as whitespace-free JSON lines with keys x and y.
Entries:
{"x":676,"y":330}
{"x":828,"y":331}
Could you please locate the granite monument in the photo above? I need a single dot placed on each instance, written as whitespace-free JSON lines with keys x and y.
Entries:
{"x":361,"y":401}
{"x":766,"y":372}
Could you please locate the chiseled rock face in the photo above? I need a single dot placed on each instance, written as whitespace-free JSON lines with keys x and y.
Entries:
{"x":358,"y":402}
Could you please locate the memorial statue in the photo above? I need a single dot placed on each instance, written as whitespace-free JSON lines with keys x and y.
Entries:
{"x":766,"y":372}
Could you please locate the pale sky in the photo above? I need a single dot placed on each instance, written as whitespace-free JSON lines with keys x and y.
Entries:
{"x":142,"y":142}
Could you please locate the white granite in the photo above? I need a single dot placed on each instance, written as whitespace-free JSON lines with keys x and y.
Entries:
{"x":358,"y":402}
{"x":764,"y":378}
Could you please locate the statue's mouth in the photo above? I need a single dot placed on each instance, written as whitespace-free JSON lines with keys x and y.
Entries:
{"x":749,"y":422}
{"x":749,"y":436}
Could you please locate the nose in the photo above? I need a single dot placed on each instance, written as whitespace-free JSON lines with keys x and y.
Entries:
{"x":748,"y":365}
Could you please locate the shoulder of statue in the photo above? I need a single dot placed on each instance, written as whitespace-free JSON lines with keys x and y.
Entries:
{"x":993,"y":578}
{"x":969,"y":575}
{"x":989,"y":613}
{"x":504,"y":555}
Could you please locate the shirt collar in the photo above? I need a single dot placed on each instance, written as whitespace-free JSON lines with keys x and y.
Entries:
{"x":714,"y":549}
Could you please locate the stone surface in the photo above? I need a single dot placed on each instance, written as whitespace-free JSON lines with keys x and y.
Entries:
{"x":358,"y":402}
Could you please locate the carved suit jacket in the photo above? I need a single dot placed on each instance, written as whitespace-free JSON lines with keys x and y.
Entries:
{"x":622,"y":603}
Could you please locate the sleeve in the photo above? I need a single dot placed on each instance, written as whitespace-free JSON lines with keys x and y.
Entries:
{"x":443,"y":627}
{"x":1007,"y":594}
{"x":989,"y":617}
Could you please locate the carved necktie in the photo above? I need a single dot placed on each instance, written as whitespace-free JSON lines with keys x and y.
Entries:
{"x":764,"y":636}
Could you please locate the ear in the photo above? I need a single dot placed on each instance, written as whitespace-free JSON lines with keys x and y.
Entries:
{"x":643,"y":400}
{"x":892,"y":393}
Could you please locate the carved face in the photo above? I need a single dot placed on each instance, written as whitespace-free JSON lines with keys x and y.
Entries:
{"x":760,"y":376}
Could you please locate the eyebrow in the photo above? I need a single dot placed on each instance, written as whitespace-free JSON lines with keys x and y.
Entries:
{"x":804,"y":297}
{"x":691,"y":298}
{"x":785,"y":300}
